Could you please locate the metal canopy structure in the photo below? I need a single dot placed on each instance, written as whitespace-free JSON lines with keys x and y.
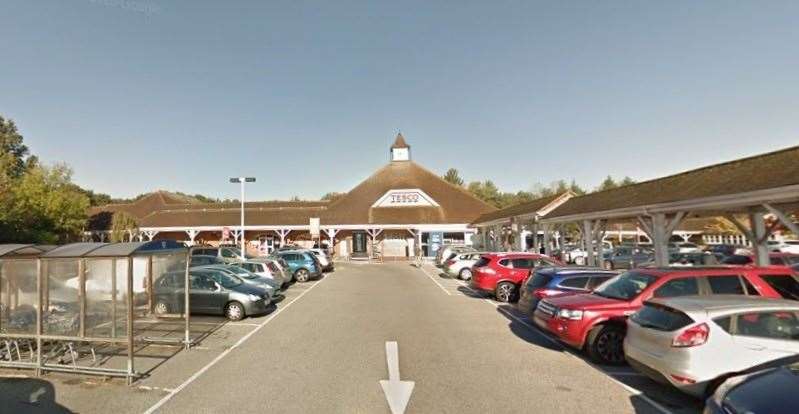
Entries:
{"x":755,"y":187}
{"x":62,"y":307}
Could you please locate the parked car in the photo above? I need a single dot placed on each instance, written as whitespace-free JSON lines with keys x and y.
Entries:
{"x":723,"y":250}
{"x":225,"y":253}
{"x":770,"y":390}
{"x":775,"y":259}
{"x":501,"y":274}
{"x":626,"y":257}
{"x":596,"y":322}
{"x":688,"y":259}
{"x":202,"y":260}
{"x":447,"y":250}
{"x":783,"y":246}
{"x":694,"y":343}
{"x":684,"y":247}
{"x":268,"y":284}
{"x":210,"y":292}
{"x":576,"y":254}
{"x":324,"y":259}
{"x":266,"y":268}
{"x":460,"y":266}
{"x":302,"y":264}
{"x":545,"y":282}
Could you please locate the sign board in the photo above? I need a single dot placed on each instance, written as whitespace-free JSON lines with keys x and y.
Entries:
{"x":405,"y":198}
{"x":435,"y":240}
{"x":314,"y":227}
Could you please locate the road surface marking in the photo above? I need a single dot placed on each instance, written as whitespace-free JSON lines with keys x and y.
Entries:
{"x":435,"y":281}
{"x":398,"y":393}
{"x":219,"y":357}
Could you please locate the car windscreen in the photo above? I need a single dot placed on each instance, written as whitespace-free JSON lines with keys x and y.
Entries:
{"x":227,"y":281}
{"x":625,"y":286}
{"x":661,"y":318}
{"x":787,"y":286}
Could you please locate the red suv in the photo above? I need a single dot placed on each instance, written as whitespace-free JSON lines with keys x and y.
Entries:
{"x":501,"y":274}
{"x":596,"y":321}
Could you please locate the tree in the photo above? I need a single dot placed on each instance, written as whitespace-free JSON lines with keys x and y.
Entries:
{"x":332,"y":196}
{"x":607,"y":184}
{"x":121,"y":224}
{"x":13,"y":153}
{"x":486,"y":191}
{"x":453,"y":177}
{"x":43,"y":206}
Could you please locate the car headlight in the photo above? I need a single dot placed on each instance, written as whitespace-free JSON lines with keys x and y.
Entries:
{"x":253,"y":298}
{"x":571,"y":314}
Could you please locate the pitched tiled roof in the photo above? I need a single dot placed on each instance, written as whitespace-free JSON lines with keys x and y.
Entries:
{"x":760,"y":172}
{"x":297,"y":216}
{"x":154,"y":201}
{"x":530,"y":207}
{"x":456,"y":205}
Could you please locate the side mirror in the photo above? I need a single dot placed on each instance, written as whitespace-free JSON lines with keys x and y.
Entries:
{"x":217,"y":287}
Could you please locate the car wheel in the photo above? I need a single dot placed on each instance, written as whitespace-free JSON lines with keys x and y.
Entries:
{"x":234,"y":311}
{"x":505,"y":292}
{"x":161,"y":308}
{"x":465,"y":274}
{"x":608,"y":265}
{"x":302,"y":275}
{"x":606,"y":345}
{"x":579,"y":260}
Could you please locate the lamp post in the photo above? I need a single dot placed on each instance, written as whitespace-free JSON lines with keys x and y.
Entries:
{"x":242,"y":180}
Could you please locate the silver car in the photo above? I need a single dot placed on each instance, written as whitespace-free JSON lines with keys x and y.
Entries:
{"x":694,"y":343}
{"x":460,"y":266}
{"x":271,"y":287}
{"x":266,"y":268}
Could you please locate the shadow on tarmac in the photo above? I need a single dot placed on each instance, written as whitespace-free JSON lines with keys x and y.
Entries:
{"x":29,"y":396}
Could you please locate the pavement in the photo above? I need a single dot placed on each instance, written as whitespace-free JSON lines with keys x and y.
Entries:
{"x":323,"y":350}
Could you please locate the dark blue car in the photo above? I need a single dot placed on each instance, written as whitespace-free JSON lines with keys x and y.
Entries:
{"x":550,"y":281}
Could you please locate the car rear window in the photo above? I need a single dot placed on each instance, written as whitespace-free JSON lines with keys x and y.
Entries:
{"x":661,"y":318}
{"x":482,"y":262}
{"x":786,"y":285}
{"x":539,"y":280}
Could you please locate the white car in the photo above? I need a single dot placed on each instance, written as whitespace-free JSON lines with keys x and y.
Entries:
{"x":684,"y":247}
{"x":695,"y":342}
{"x":324,"y":258}
{"x":579,"y":257}
{"x":785,"y":246}
{"x":446,"y":251}
{"x":266,"y":268}
{"x":460,"y":266}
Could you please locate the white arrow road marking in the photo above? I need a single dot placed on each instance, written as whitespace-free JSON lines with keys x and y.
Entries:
{"x":398,"y":393}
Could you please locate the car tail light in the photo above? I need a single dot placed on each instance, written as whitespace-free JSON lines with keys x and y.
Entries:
{"x":450,"y":262}
{"x":693,"y":336}
{"x":540,"y":293}
{"x":683,"y":380}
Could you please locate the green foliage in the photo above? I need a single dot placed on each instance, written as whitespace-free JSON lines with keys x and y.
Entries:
{"x":43,"y":206}
{"x":332,"y":196}
{"x":453,"y":177}
{"x":38,"y":204}
{"x":488,"y":192}
{"x":120,"y":224}
{"x":609,"y":183}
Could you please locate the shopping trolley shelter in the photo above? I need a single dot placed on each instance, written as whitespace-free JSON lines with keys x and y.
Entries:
{"x":371,"y":336}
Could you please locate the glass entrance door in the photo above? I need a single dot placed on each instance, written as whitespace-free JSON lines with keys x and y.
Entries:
{"x":359,"y":242}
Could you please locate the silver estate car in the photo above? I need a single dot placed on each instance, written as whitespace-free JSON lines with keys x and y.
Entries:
{"x":694,"y":343}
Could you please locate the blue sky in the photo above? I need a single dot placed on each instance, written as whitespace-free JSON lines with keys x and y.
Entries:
{"x":138,"y":95}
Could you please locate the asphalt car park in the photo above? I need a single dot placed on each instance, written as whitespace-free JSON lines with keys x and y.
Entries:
{"x":323,"y":349}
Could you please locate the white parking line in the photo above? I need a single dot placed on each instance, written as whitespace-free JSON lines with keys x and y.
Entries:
{"x":435,"y":281}
{"x":535,"y":330}
{"x":226,"y":352}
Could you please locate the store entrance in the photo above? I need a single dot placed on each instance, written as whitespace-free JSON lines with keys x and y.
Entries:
{"x":359,"y":243}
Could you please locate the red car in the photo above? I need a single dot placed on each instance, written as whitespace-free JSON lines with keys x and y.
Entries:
{"x":596,"y":321}
{"x":501,"y":274}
